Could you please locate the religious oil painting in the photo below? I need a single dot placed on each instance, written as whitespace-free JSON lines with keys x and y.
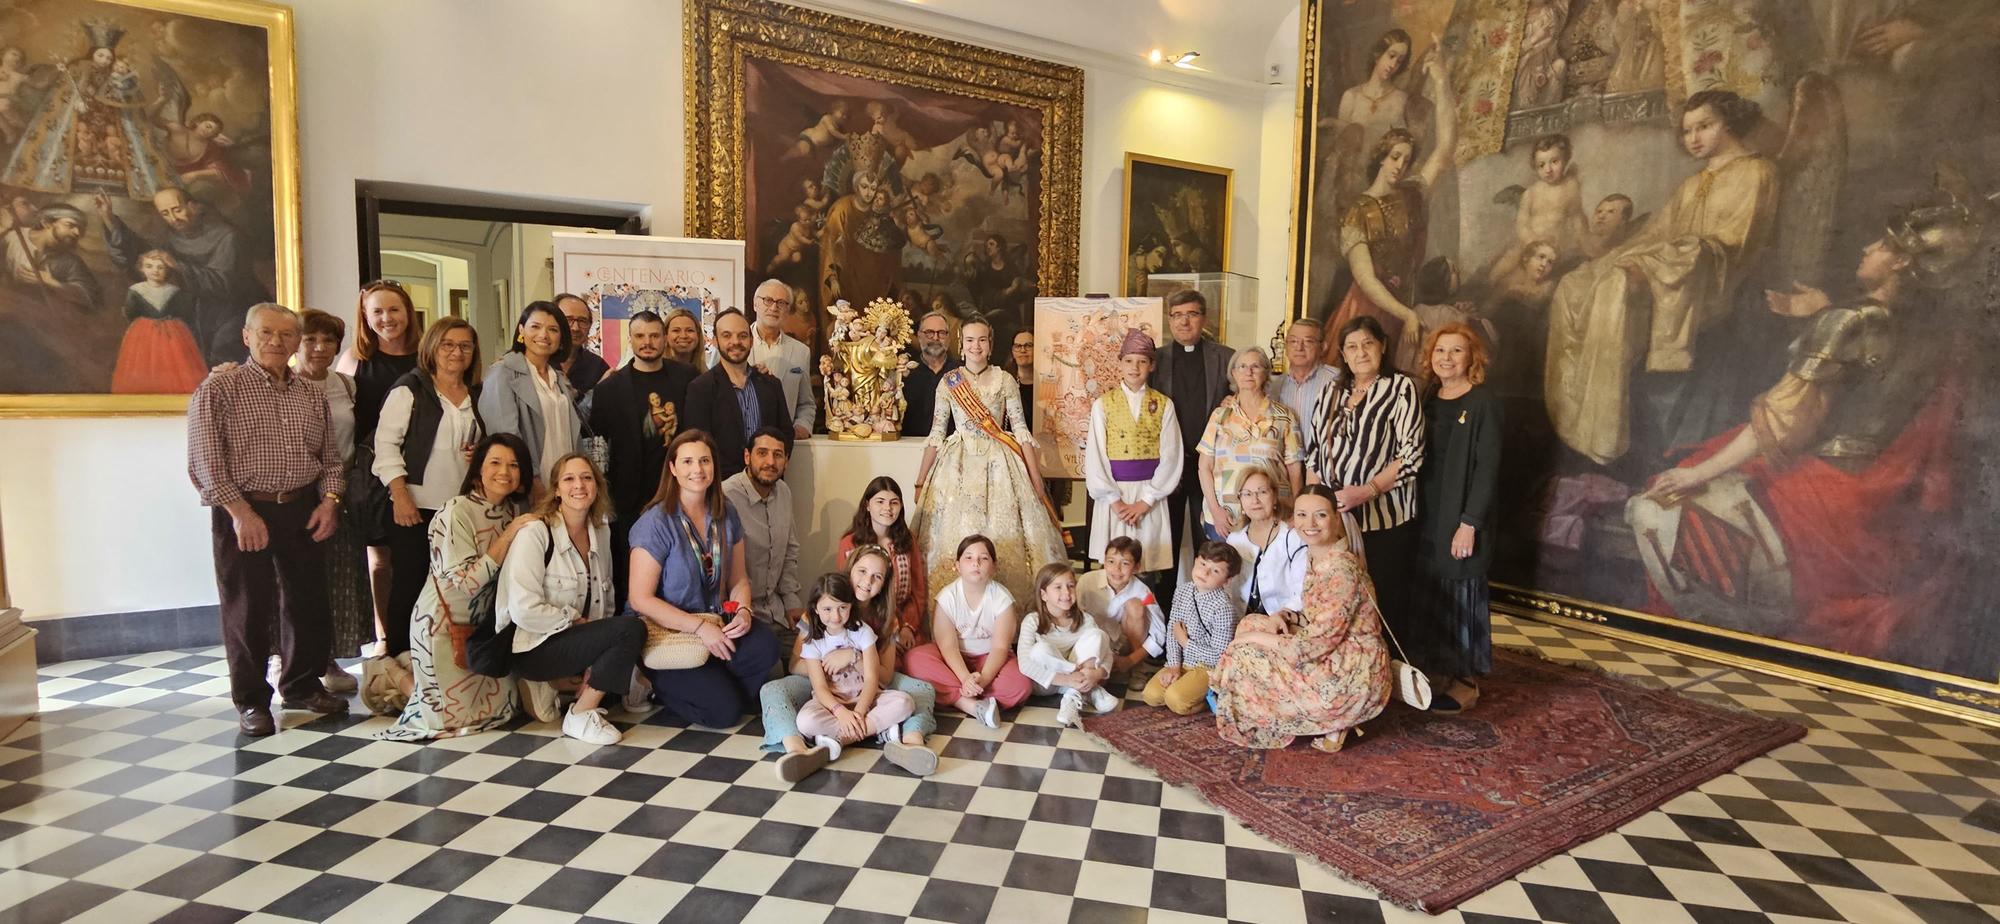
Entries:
{"x":1076,"y":360}
{"x":148,"y":196}
{"x":1735,"y":264}
{"x":619,"y":275}
{"x":1176,"y":219}
{"x":864,"y":162}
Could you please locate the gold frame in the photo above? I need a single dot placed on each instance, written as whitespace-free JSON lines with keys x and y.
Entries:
{"x":721,"y":33}
{"x":1964,"y":698}
{"x":1228,"y":175}
{"x":276,"y":21}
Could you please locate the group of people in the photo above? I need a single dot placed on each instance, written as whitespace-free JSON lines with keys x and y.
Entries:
{"x":546,"y":526}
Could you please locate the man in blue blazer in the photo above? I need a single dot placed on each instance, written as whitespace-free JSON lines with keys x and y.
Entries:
{"x":734,"y":400}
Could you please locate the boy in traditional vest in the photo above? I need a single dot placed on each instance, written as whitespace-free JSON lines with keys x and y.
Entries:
{"x":1132,"y":459}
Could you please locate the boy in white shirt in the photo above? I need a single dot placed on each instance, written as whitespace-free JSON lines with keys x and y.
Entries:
{"x":1115,"y":595}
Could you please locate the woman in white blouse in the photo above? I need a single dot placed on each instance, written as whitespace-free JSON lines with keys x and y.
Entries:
{"x":423,"y":443}
{"x":1274,"y":557}
{"x":527,"y":394}
{"x":555,"y":591}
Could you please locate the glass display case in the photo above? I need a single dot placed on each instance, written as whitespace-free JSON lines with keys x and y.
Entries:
{"x":1232,"y":301}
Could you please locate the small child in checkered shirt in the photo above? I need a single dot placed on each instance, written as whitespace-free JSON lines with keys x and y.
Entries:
{"x":1200,"y":625}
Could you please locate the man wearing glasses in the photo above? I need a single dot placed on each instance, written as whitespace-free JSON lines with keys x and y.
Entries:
{"x":1193,"y":372}
{"x":781,"y":355}
{"x":585,"y":367}
{"x":934,"y":359}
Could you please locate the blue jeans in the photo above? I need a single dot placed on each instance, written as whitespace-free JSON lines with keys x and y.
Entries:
{"x":718,"y":693}
{"x":783,"y":697}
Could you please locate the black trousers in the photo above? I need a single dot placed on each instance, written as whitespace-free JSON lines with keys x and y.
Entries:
{"x":621,"y":559}
{"x":1184,"y":507}
{"x":281,"y":585}
{"x":409,"y":567}
{"x":1392,"y":568}
{"x":609,"y":647}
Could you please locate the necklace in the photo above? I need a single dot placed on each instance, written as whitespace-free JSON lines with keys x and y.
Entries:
{"x":1374,"y":101}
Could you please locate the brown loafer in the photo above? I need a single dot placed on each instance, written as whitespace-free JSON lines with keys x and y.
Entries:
{"x":255,"y":721}
{"x":321,"y":702}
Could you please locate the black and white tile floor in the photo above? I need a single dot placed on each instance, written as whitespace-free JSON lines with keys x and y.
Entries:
{"x":132,"y":799}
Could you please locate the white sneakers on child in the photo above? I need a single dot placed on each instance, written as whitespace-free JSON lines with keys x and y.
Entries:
{"x":1103,"y":701}
{"x":793,"y":766}
{"x":539,"y":700}
{"x":590,"y":727}
{"x":1070,"y":713}
{"x":989,"y":712}
{"x":832,"y":747}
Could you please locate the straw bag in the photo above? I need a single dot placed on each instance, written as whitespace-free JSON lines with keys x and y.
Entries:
{"x":673,"y":650}
{"x":1412,"y":687}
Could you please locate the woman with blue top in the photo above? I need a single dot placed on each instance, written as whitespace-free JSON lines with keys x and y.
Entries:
{"x":687,"y":560}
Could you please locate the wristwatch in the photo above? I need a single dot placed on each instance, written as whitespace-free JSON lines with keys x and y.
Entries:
{"x":332,"y":496}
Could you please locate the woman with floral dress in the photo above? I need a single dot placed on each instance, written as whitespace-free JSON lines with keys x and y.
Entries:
{"x":1249,"y":430}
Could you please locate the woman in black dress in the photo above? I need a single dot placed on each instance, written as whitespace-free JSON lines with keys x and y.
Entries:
{"x":385,"y":350}
{"x":1455,"y":519}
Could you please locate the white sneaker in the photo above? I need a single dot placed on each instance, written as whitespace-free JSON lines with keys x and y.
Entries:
{"x":889,"y":736}
{"x":590,"y":727}
{"x":1103,"y":701}
{"x":989,"y":712}
{"x":832,"y":747}
{"x":539,"y":699}
{"x":1070,"y":713}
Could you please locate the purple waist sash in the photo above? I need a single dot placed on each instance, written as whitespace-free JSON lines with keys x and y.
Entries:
{"x":1134,"y":469}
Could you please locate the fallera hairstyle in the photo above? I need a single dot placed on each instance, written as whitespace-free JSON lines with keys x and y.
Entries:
{"x":550,"y":509}
{"x":1374,"y":329}
{"x":1127,"y":546}
{"x":972,"y":540}
{"x":1738,"y":115}
{"x":1074,"y":619}
{"x":1222,"y":553}
{"x":833,"y":585}
{"x":315,"y":322}
{"x":562,"y":325}
{"x":516,"y":501}
{"x":1434,"y":281}
{"x":166,"y":259}
{"x":366,"y":344}
{"x":1475,"y":351}
{"x":1262,"y":357}
{"x":1391,"y":39}
{"x":1187,"y":296}
{"x":877,"y":612}
{"x":1390,"y":139}
{"x":975,"y":321}
{"x":1257,"y":470}
{"x":1556,"y":142}
{"x":700,"y":358}
{"x":668,"y":496}
{"x":862,"y":529}
{"x":427,"y":351}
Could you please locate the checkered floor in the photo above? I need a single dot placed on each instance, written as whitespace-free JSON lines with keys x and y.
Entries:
{"x":133,"y":799}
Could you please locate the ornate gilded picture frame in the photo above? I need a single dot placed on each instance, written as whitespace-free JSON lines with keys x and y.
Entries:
{"x":1734,"y":261}
{"x":858,"y":161}
{"x":149,"y":169}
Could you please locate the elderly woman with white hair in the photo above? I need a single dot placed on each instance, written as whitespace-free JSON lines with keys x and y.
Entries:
{"x":1247,"y":430}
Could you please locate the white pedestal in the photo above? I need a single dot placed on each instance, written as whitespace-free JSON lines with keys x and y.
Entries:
{"x":827,"y":476}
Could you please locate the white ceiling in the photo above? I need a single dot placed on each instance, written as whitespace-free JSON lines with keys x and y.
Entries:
{"x":1238,"y":39}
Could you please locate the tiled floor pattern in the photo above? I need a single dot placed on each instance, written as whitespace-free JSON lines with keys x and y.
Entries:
{"x":133,"y":799}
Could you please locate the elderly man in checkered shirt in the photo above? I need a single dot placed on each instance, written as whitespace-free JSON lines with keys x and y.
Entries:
{"x":261,"y":452}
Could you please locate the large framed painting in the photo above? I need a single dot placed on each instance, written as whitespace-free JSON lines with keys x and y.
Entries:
{"x":858,"y":161}
{"x":148,"y":196}
{"x":1076,"y":360}
{"x":1735,"y":261}
{"x":1176,"y":219}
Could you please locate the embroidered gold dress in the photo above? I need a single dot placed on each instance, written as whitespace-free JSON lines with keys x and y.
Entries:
{"x":979,"y":485}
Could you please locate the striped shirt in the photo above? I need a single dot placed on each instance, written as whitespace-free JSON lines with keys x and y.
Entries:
{"x":250,"y":430}
{"x":1356,"y":443}
{"x":1210,"y":617}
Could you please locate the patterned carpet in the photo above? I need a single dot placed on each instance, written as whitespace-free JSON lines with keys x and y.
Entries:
{"x":1431,"y":810}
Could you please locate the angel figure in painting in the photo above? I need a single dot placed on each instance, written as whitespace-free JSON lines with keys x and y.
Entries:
{"x":1550,"y":210}
{"x":825,"y":132}
{"x":798,"y":240}
{"x":1382,"y":231}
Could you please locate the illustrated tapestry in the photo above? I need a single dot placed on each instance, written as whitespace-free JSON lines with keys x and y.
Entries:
{"x":1076,"y":360}
{"x":1734,"y":261}
{"x":148,"y":196}
{"x":860,"y":162}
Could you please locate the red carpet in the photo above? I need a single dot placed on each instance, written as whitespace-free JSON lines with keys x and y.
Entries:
{"x":1433,"y":810}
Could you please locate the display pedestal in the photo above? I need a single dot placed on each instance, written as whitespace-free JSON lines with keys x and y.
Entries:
{"x":19,"y":700}
{"x":827,"y":476}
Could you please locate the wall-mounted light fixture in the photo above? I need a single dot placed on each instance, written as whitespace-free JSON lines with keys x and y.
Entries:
{"x":1184,"y":60}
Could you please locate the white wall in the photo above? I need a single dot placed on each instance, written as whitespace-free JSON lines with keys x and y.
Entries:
{"x":530,"y":99}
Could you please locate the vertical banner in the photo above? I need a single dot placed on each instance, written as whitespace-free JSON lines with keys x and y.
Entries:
{"x":1076,"y":359}
{"x":621,"y":274}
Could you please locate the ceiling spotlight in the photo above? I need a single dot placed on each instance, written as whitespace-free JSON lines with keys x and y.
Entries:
{"x":1186,"y":59}
{"x":1155,"y":56}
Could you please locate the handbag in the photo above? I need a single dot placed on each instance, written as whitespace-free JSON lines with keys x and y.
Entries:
{"x":367,"y":497}
{"x":1412,"y":687}
{"x":673,"y":650}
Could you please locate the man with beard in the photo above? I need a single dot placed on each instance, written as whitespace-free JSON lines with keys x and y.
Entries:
{"x":215,"y":263}
{"x":770,"y":545}
{"x":637,"y":410}
{"x":42,"y":258}
{"x":920,"y":385}
{"x":584,"y":367}
{"x":733,"y":400}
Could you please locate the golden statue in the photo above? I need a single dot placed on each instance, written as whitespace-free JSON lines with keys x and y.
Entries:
{"x":864,"y":393}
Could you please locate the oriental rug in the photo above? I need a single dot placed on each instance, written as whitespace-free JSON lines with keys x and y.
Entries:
{"x":1432,"y":810}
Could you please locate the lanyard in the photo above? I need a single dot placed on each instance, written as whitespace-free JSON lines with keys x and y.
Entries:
{"x":708,"y":553}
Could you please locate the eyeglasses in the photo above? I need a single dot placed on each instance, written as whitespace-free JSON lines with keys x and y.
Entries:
{"x":1184,"y":315}
{"x":769,"y":302}
{"x":457,"y":346}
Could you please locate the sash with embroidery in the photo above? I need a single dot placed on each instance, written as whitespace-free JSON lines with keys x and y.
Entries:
{"x":968,"y":398}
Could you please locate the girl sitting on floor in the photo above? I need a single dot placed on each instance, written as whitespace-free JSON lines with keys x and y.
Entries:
{"x":848,"y":701}
{"x":1063,"y":649}
{"x":971,"y":663}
